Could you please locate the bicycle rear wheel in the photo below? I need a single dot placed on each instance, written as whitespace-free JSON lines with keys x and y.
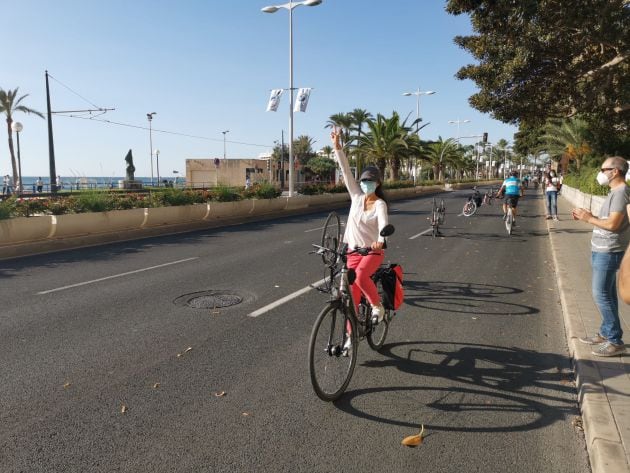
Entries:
{"x":331,"y":236}
{"x":330,"y":365}
{"x":470,"y":208}
{"x":509,"y":220}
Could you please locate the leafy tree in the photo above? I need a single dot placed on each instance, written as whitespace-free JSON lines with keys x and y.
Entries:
{"x":303,"y":149}
{"x":327,"y":150}
{"x":441,"y":152}
{"x":321,"y":166}
{"x":9,"y":106}
{"x":359,"y":117}
{"x":552,"y":58}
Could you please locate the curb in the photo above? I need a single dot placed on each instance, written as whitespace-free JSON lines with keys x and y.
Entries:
{"x":603,"y":441}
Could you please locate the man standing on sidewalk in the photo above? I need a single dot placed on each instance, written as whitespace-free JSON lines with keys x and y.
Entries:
{"x":611,"y":234}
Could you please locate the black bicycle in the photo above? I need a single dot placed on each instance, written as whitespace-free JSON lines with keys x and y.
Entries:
{"x":332,"y":352}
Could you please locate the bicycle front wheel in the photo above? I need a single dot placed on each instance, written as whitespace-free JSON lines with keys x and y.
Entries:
{"x":470,"y":208}
{"x":377,"y":333}
{"x":332,"y":352}
{"x":442,"y":212}
{"x":331,"y":236}
{"x":509,"y":220}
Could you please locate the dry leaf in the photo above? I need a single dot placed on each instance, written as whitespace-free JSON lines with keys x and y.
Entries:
{"x":123,"y":409}
{"x":179,"y":355}
{"x":220,"y":393}
{"x":414,"y":440}
{"x":245,"y":414}
{"x":67,"y":385}
{"x":156,"y":385}
{"x":187,"y":349}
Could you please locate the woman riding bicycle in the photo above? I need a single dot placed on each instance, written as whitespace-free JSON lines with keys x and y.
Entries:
{"x":367,"y":217}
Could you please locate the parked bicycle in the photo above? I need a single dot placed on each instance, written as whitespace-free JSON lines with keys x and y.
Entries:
{"x":476,"y":200}
{"x":332,"y":352}
{"x":438,"y":216}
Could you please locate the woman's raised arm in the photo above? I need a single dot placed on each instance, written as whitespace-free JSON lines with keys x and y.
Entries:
{"x":348,"y":178}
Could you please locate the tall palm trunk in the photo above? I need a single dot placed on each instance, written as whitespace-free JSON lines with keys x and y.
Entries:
{"x":12,"y":152}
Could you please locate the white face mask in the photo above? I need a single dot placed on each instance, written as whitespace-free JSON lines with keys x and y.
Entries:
{"x":368,"y":187}
{"x":602,"y":179}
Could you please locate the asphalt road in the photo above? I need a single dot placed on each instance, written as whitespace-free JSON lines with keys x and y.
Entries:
{"x":477,"y":354}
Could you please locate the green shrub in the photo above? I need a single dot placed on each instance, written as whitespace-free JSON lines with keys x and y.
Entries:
{"x":94,"y":201}
{"x":398,"y":184}
{"x":6,"y":209}
{"x":585,"y":181}
{"x":262,"y":190}
{"x":225,"y":194}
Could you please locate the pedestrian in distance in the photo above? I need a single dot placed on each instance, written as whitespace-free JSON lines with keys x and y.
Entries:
{"x":367,"y":217}
{"x":248,"y":182}
{"x":552,"y":186}
{"x":40,"y":184}
{"x":5,"y":185}
{"x":611,"y":235}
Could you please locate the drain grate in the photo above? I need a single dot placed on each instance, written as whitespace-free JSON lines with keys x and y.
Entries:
{"x":209,"y":300}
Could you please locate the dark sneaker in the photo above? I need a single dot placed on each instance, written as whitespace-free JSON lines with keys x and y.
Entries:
{"x":609,"y":349}
{"x":596,"y":340}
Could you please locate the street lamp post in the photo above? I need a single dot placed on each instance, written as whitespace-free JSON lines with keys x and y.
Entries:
{"x":157,"y":164}
{"x":458,"y":122}
{"x":418,"y":93}
{"x":17,"y":127}
{"x":150,"y":118}
{"x":272,"y":9}
{"x":225,"y":132}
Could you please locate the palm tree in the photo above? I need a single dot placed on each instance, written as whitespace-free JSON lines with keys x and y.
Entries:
{"x":327,"y":150}
{"x":343,"y":121}
{"x":385,"y":143}
{"x":567,"y":140}
{"x":442,"y":152}
{"x":359,"y":117}
{"x":9,"y":106}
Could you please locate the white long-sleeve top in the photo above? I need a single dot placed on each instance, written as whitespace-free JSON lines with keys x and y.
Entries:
{"x":364,"y":226}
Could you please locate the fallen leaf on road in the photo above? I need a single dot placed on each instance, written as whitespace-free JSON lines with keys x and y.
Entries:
{"x":179,"y":355}
{"x":414,"y":440}
{"x":474,"y":318}
{"x":245,"y":414}
{"x":156,"y":385}
{"x":67,"y":385}
{"x":220,"y":393}
{"x":187,"y":349}
{"x":123,"y":409}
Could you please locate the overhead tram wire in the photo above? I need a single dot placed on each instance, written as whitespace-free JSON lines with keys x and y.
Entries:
{"x":74,"y":92}
{"x":140,"y":127}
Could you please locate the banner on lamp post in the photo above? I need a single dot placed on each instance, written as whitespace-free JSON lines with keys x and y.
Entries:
{"x":274,"y":100}
{"x":302,"y":100}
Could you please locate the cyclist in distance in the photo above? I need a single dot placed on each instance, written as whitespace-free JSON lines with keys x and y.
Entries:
{"x":512,"y":189}
{"x":367,"y":217}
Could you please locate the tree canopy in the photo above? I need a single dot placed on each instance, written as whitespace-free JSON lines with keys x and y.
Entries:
{"x":548,"y":58}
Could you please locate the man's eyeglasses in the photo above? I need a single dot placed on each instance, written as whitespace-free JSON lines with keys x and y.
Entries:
{"x":367,"y":180}
{"x":607,"y":169}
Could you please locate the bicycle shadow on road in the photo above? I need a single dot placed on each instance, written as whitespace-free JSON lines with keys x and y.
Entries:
{"x":483,"y":382}
{"x":464,"y":298}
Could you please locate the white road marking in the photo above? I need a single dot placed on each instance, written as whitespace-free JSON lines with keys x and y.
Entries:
{"x":116,"y":276}
{"x":285,"y":299}
{"x":420,"y":234}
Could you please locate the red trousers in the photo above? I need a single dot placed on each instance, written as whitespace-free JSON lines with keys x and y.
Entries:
{"x":364,"y":267}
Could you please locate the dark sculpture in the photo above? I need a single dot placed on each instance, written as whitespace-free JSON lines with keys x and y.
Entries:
{"x":130,"y":167}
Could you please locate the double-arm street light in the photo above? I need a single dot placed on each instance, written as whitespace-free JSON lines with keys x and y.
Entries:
{"x":17,"y":127}
{"x":225,"y":132}
{"x":418,"y":93}
{"x":150,"y":118}
{"x":458,"y":122}
{"x":272,"y":9}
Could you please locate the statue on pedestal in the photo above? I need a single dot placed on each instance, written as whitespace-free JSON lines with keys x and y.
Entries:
{"x":130,"y":167}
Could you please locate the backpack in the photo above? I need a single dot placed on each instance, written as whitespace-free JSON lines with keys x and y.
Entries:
{"x":392,"y":283}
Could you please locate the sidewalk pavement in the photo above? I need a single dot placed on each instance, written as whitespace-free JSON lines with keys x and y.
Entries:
{"x":603,"y":384}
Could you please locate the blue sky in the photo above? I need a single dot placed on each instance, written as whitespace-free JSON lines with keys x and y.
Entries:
{"x":207,"y":65}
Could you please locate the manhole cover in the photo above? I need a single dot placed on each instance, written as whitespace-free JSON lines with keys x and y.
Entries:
{"x":209,"y":300}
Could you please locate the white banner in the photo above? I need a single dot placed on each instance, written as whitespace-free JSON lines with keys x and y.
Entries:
{"x":274,"y":100}
{"x":302,"y":100}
